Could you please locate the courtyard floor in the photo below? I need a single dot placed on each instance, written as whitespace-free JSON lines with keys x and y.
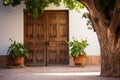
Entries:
{"x":53,"y":73}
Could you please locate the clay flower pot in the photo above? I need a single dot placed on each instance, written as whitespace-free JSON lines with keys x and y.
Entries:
{"x":18,"y":61}
{"x":79,"y":60}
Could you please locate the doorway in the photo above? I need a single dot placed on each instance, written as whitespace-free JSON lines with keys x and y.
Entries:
{"x":45,"y":38}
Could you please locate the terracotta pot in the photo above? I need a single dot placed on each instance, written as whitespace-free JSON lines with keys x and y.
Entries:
{"x":18,"y":61}
{"x":79,"y":60}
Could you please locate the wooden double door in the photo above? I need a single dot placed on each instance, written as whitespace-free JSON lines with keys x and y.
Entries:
{"x":45,"y":38}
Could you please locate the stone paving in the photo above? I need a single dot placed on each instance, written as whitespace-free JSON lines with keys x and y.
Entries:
{"x":53,"y":73}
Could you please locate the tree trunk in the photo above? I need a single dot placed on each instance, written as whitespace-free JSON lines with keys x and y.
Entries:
{"x":110,"y":57}
{"x":108,"y":32}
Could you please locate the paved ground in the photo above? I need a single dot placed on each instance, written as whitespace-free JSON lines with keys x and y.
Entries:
{"x":53,"y":73}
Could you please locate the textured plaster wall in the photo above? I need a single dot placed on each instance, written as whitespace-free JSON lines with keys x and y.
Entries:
{"x":79,"y":29}
{"x":11,"y":26}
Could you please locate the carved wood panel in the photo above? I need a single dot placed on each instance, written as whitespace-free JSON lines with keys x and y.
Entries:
{"x":34,"y":39}
{"x":57,"y":30}
{"x":44,"y":38}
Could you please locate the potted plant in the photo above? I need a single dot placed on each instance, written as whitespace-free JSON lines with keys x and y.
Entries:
{"x":17,"y":52}
{"x":77,"y":50}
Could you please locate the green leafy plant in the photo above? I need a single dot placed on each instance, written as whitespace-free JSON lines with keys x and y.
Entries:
{"x":35,"y":7}
{"x":12,"y":2}
{"x":17,"y":50}
{"x":77,"y":47}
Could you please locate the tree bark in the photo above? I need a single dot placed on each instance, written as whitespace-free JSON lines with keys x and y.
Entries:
{"x":108,"y":32}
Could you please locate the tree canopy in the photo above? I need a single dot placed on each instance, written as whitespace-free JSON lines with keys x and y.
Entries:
{"x":36,"y":7}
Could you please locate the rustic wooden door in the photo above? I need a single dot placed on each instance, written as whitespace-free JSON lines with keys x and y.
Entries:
{"x":45,"y":38}
{"x":34,"y":39}
{"x":57,"y":33}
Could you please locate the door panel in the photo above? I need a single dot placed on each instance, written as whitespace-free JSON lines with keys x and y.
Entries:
{"x":45,"y":38}
{"x":57,"y":24}
{"x":34,"y":39}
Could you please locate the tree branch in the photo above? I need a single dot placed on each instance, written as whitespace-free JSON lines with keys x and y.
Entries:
{"x":97,"y":16}
{"x":115,"y":20}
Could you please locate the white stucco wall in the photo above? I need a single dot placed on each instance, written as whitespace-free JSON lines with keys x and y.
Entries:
{"x":11,"y":26}
{"x":79,"y":30}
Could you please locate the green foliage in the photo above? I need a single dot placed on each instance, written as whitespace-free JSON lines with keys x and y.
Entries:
{"x":17,"y":49}
{"x":11,"y":2}
{"x":6,"y":2}
{"x":55,"y":2}
{"x":36,"y":7}
{"x":73,"y":4}
{"x":77,"y":47}
{"x":89,"y":23}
